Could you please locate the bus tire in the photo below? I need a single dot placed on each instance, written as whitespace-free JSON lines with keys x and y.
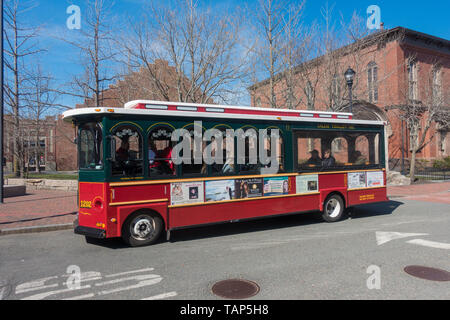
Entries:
{"x":333,"y":208}
{"x":142,"y":228}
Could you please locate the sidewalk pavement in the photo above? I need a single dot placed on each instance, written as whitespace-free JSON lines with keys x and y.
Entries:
{"x":38,"y":210}
{"x":49,"y":210}
{"x":430,"y":192}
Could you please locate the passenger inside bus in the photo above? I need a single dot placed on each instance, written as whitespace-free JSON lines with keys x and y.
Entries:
{"x":152,"y":154}
{"x":328,"y":159}
{"x":163,"y":163}
{"x":315,"y":159}
{"x":358,"y":158}
{"x":122,"y":153}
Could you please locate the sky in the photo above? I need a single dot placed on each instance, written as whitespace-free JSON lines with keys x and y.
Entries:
{"x":62,"y":60}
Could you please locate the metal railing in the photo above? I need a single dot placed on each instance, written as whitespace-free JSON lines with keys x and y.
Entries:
{"x":432,"y":173}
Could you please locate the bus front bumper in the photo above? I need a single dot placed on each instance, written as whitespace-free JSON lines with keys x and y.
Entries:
{"x":89,"y":232}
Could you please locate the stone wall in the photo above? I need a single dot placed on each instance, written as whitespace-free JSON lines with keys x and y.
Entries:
{"x":45,"y":184}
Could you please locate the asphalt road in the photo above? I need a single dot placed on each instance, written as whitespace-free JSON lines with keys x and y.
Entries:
{"x":291,"y":257}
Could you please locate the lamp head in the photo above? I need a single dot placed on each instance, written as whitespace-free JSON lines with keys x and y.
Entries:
{"x":349,"y":75}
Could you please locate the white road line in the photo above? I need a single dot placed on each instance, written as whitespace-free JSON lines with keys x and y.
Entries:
{"x":44,"y":295}
{"x":136,"y":278}
{"x":432,"y":244}
{"x":136,"y":286}
{"x":2,"y":293}
{"x":129,"y":272}
{"x":35,"y":285}
{"x":383,"y":237}
{"x":86,"y":296}
{"x":162,"y":296}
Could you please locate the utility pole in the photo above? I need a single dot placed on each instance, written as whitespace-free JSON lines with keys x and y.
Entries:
{"x":1,"y":106}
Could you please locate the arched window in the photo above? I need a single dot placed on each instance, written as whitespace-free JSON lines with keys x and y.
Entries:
{"x":225,"y":150}
{"x":160,"y":151}
{"x":372,"y":82}
{"x":129,"y":156}
{"x":412,"y":80}
{"x":336,"y":97}
{"x":258,"y":102}
{"x":197,"y":166}
{"x":310,"y":95}
{"x":437,"y":86}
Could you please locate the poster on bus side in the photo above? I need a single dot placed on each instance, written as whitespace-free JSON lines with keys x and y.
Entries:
{"x":375,"y":179}
{"x":356,"y":180}
{"x":307,"y":183}
{"x":186,"y":192}
{"x":248,"y":188}
{"x":276,"y":186}
{"x":220,"y":190}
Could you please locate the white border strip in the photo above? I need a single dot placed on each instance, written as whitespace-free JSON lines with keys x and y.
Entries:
{"x":142,"y":112}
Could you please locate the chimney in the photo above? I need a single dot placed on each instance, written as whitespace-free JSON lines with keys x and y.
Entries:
{"x":382,"y":26}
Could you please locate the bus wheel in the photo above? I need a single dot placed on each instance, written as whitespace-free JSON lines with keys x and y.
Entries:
{"x":141,"y":229}
{"x":333,"y":208}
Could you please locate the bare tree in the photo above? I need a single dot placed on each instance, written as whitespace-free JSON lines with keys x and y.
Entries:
{"x":423,"y":110}
{"x":201,"y":49}
{"x":20,"y":46}
{"x":95,"y":43}
{"x":278,"y":29}
{"x":39,"y":103}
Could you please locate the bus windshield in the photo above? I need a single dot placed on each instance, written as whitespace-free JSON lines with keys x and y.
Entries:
{"x":90,"y":146}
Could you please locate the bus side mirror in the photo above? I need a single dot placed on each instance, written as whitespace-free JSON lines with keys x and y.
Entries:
{"x":112,"y":143}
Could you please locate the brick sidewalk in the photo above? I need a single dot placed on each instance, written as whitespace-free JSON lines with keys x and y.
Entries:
{"x":38,"y":208}
{"x":431,"y":192}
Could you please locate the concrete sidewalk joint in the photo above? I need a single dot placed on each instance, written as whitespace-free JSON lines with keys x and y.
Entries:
{"x":36,"y":229}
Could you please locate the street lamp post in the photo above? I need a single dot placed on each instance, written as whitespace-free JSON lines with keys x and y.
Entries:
{"x":349,"y":74}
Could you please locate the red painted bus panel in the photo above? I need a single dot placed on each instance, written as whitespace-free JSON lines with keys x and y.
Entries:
{"x":123,"y":212}
{"x":203,"y":214}
{"x":139,"y":193}
{"x":356,"y":197}
{"x":332,"y":181}
{"x":92,"y":205}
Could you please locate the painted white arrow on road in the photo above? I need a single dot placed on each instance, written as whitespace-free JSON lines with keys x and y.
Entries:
{"x":383,"y":237}
{"x":432,"y":244}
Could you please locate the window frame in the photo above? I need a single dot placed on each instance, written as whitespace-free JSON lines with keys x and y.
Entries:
{"x":372,"y":82}
{"x":302,"y":169}
{"x":146,"y":150}
{"x":101,"y":150}
{"x":138,"y":129}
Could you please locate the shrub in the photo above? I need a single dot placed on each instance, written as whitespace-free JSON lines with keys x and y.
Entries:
{"x":442,"y":163}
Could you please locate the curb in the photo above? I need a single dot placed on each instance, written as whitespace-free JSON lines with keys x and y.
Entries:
{"x":36,"y":229}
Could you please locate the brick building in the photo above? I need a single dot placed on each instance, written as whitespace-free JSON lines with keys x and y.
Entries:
{"x":391,"y":66}
{"x":37,"y":142}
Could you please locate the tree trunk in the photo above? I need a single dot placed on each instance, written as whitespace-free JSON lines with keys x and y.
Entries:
{"x":412,"y":167}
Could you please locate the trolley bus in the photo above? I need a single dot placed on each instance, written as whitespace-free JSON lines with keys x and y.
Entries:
{"x":130,"y":187}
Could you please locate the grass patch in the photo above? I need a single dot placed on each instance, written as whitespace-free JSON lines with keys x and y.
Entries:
{"x":48,"y":176}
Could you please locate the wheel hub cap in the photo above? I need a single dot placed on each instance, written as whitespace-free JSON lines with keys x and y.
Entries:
{"x":143,"y":228}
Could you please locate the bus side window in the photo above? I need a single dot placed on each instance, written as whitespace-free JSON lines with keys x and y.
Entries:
{"x":160,"y":152}
{"x":309,"y":151}
{"x":194,"y":169}
{"x":129,"y":157}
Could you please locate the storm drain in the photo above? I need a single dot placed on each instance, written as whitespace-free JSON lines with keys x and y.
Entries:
{"x":235,"y":289}
{"x":427,"y":273}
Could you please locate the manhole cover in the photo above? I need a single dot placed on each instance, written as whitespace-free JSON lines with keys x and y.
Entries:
{"x":428,"y":273}
{"x":235,"y":289}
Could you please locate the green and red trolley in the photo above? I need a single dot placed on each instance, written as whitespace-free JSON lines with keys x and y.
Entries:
{"x":129,"y":186}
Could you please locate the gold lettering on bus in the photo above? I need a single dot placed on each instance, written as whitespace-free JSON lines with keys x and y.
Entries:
{"x":365,"y":197}
{"x":85,"y":204}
